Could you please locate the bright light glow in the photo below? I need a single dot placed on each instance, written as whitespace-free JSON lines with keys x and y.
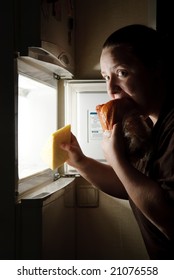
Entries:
{"x":37,"y":119}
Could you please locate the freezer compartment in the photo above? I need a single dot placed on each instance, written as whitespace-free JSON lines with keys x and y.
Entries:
{"x":46,"y":222}
{"x":77,"y":222}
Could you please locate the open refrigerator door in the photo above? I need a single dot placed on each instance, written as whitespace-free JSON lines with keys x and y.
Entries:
{"x":81,"y":98}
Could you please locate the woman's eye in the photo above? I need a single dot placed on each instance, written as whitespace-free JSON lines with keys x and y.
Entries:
{"x":122,"y":73}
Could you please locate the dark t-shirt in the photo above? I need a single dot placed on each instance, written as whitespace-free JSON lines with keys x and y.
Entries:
{"x":160,"y":167}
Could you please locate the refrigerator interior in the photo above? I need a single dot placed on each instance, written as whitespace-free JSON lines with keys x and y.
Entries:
{"x":37,"y":119}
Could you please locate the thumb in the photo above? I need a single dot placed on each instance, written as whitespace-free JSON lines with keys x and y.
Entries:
{"x":117,"y":128}
{"x":64,"y":146}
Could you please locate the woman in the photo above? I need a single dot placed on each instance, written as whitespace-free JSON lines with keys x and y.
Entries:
{"x":133,"y":63}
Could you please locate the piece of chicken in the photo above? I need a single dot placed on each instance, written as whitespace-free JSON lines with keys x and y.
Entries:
{"x":136,"y":126}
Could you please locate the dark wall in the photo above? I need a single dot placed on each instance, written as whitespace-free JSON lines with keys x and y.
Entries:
{"x":7,"y":131}
{"x":165,"y":17}
{"x":27,"y":33}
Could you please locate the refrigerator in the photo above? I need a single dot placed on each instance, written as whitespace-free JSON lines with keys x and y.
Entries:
{"x":69,"y":218}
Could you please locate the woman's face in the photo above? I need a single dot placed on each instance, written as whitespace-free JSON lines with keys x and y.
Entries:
{"x":125,"y":75}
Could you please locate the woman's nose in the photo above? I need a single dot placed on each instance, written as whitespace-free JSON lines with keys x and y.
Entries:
{"x":113,"y":89}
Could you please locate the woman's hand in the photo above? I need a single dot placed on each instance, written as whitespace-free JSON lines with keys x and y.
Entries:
{"x":114,"y":145}
{"x":75,"y":154}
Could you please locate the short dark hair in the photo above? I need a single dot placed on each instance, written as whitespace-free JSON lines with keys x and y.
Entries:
{"x":144,"y":42}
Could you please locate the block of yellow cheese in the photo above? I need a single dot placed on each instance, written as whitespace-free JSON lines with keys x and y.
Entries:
{"x":52,"y":154}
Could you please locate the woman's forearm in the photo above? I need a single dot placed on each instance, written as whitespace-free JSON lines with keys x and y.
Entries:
{"x":102,"y":176}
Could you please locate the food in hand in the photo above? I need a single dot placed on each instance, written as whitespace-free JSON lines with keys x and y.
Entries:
{"x":136,"y":126}
{"x":52,"y":154}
